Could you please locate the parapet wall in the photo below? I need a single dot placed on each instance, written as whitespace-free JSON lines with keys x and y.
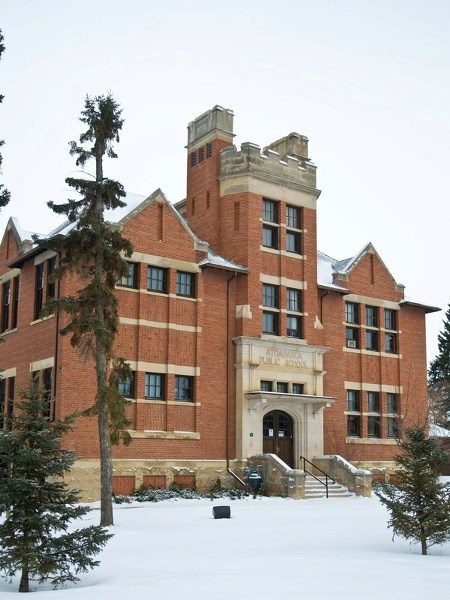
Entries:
{"x":289,"y":171}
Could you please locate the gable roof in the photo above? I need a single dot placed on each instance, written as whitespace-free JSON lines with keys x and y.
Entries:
{"x":119,"y":216}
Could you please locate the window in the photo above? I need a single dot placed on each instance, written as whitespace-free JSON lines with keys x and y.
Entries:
{"x":130,"y":279}
{"x":293,"y":242}
{"x":270,"y":237}
{"x":298,"y":388}
{"x":270,"y":211}
{"x":51,"y":284}
{"x":126,"y":387}
{"x":392,"y":404}
{"x":209,"y":150}
{"x":39,"y":290}
{"x":15,"y":303}
{"x":373,"y":402}
{"x":184,"y":388}
{"x":201,"y":154}
{"x":389,"y":319}
{"x":185,"y":284}
{"x":371,"y":340}
{"x":293,"y":216}
{"x":371,"y":316}
{"x":266,"y":386}
{"x":390,"y":342}
{"x":270,"y":295}
{"x":282,"y":387}
{"x":351,"y":337}
{"x":351,"y":312}
{"x":393,"y":427}
{"x":47,"y":376}
{"x":270,"y":323}
{"x":270,"y":300}
{"x":353,"y":401}
{"x":294,"y":324}
{"x":10,"y":409}
{"x":157,"y":279}
{"x":154,"y":385}
{"x":353,"y":426}
{"x":193,"y":158}
{"x":6,"y":303}
{"x":293,"y":300}
{"x":373,"y":427}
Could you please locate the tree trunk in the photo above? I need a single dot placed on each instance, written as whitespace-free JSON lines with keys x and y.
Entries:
{"x":423,"y":542}
{"x":106,"y":508}
{"x":24,"y":580}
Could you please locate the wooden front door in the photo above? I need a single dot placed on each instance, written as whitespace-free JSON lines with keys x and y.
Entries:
{"x":278,"y":436}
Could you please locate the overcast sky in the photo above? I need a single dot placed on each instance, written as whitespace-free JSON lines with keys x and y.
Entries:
{"x":367,"y":81}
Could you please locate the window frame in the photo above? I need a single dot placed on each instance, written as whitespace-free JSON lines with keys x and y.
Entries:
{"x":352,"y":313}
{"x":390,"y":319}
{"x":271,"y":211}
{"x":154,"y":386}
{"x":130,"y":280}
{"x":354,"y":401}
{"x":180,"y":390}
{"x":293,"y":242}
{"x":126,"y":387}
{"x":371,"y":316}
{"x":270,"y":237}
{"x":161,"y":286}
{"x":185,"y":284}
{"x":293,"y":216}
{"x":372,"y":340}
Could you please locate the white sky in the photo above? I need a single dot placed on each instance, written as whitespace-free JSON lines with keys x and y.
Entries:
{"x":368,"y":82}
{"x":270,"y":548}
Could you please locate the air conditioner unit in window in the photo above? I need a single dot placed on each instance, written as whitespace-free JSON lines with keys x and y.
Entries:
{"x":351,"y":343}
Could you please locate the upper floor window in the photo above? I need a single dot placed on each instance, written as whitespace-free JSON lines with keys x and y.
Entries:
{"x":6,"y":303}
{"x":184,"y":388}
{"x":39,"y":290}
{"x":389,"y":319}
{"x":51,"y":283}
{"x":392,"y":404}
{"x":266,"y":386}
{"x":270,"y":295}
{"x":185,"y":284}
{"x":371,"y":316}
{"x":371,"y":339}
{"x":292,"y":217}
{"x":270,"y":237}
{"x":193,"y":158}
{"x":154,"y":385}
{"x":270,"y":211}
{"x":351,"y":312}
{"x":294,"y":326}
{"x":126,"y":387}
{"x":298,"y":388}
{"x":131,"y":277}
{"x":157,"y":279}
{"x":282,"y":387}
{"x":390,"y":342}
{"x":293,"y":242}
{"x":209,"y":150}
{"x":293,"y":300}
{"x":373,"y":402}
{"x":353,"y":404}
{"x":201,"y":153}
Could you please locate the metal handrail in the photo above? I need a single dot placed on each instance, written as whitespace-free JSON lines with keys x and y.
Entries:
{"x":327,"y":477}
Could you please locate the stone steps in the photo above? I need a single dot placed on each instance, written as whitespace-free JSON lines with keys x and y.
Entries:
{"x":315,"y":489}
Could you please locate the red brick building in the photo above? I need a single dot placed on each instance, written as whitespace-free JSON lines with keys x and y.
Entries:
{"x":242,"y":337}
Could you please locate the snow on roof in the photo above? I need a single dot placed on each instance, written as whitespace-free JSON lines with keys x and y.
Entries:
{"x":219,"y":261}
{"x":325,"y":270}
{"x":437,"y":431}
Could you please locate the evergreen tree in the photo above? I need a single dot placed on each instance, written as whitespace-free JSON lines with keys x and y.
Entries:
{"x":34,"y":537}
{"x":439,"y":372}
{"x":4,"y":193}
{"x":419,"y":503}
{"x":94,"y":251}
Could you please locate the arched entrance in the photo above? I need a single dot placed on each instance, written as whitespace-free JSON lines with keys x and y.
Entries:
{"x":278,"y":436}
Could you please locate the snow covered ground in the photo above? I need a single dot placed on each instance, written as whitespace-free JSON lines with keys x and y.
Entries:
{"x":271,"y":548}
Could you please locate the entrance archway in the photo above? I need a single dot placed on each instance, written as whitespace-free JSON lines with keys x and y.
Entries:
{"x":278,"y":436}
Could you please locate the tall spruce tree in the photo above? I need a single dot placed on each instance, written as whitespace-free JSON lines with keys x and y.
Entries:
{"x":4,"y":193}
{"x":94,"y":251}
{"x":419,"y":502}
{"x":35,"y":538}
{"x":439,"y":372}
